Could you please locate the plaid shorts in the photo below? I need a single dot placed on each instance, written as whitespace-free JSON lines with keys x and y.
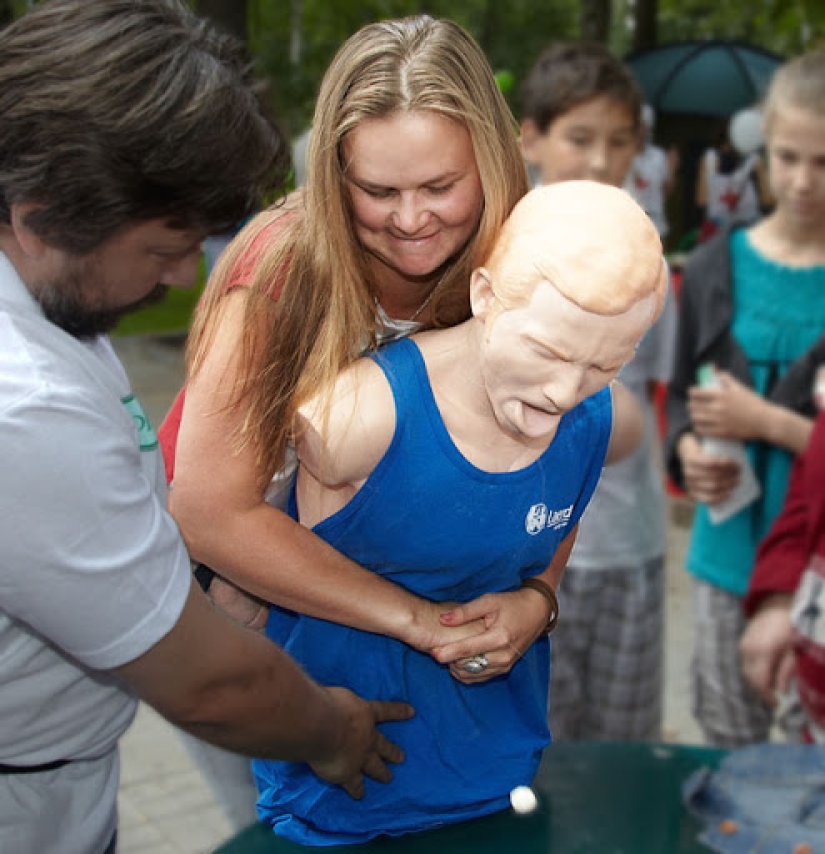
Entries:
{"x":607,"y":654}
{"x":727,"y":709}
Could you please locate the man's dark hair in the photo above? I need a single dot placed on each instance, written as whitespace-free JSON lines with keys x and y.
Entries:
{"x":120,"y":111}
{"x":568,"y":74}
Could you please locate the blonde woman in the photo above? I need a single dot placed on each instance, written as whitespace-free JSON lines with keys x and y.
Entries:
{"x":413,"y":167}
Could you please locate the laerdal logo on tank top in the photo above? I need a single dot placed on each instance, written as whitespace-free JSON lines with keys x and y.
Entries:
{"x":147,"y":438}
{"x":539,"y":518}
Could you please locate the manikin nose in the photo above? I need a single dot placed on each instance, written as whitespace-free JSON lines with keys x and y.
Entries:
{"x":564,"y":392}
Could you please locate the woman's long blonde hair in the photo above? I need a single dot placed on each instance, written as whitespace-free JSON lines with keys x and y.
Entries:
{"x":326,"y":315}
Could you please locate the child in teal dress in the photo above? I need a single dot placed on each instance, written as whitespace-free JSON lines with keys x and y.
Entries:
{"x":753,"y":304}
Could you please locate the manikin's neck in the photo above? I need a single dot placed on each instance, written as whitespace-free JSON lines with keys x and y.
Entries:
{"x":453,"y":358}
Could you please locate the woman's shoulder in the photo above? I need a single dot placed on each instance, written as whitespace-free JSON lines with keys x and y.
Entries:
{"x":266,"y":231}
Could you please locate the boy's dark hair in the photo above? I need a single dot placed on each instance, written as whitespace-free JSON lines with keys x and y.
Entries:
{"x":120,"y":111}
{"x":568,"y":74}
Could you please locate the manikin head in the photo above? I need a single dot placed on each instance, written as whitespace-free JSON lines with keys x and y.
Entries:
{"x":572,"y":285}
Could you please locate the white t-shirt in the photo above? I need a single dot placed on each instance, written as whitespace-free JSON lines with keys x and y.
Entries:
{"x":646,"y":183}
{"x":731,"y":198}
{"x":93,"y":571}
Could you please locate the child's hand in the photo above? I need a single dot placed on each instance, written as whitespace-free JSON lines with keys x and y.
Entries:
{"x":766,"y":649}
{"x":730,"y":410}
{"x":708,"y":478}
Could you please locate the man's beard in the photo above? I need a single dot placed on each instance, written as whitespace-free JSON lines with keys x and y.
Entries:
{"x":64,"y":304}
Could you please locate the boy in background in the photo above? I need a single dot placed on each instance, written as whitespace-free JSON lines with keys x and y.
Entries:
{"x":581,"y":120}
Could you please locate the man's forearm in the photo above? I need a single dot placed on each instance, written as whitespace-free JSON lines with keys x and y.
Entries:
{"x":235,"y":688}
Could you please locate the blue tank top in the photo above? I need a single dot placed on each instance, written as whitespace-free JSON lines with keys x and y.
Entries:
{"x":431,"y":521}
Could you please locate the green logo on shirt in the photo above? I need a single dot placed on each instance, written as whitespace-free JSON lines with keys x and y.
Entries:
{"x":147,"y":437}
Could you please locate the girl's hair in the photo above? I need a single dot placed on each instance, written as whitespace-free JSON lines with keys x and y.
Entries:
{"x":799,"y":83}
{"x":326,"y":315}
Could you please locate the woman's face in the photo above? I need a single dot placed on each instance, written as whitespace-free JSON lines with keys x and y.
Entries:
{"x":415,"y":190}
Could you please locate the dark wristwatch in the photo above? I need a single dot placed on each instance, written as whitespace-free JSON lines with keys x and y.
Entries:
{"x":203,"y":575}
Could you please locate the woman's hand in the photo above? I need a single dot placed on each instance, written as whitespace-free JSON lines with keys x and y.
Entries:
{"x":511,"y":623}
{"x":428,"y":632}
{"x":708,"y":478}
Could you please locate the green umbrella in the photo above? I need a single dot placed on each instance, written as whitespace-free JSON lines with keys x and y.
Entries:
{"x":707,"y":78}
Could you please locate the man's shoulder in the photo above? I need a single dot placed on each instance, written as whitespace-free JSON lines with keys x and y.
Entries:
{"x":26,"y":362}
{"x":48,"y":378}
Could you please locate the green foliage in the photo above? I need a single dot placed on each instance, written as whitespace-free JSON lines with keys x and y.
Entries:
{"x":787,"y":27}
{"x":512,"y":35}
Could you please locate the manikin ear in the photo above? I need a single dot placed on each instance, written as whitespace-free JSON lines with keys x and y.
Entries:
{"x":31,"y":244}
{"x":530,"y":136}
{"x":482,"y":298}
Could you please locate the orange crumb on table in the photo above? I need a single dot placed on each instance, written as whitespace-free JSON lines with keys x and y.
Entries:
{"x":802,"y":848}
{"x":728,"y":827}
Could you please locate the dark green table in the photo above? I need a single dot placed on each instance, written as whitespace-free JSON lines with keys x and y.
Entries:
{"x":594,"y":798}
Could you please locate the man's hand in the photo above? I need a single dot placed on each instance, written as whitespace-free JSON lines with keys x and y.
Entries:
{"x":362,"y":749}
{"x":766,"y":649}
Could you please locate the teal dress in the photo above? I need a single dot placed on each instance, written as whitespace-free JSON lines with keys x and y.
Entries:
{"x":778,"y":314}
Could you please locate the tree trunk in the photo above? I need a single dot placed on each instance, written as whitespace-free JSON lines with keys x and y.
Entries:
{"x":645,"y":15}
{"x":229,"y":15}
{"x":296,"y":33}
{"x":595,"y":20}
{"x":6,"y":12}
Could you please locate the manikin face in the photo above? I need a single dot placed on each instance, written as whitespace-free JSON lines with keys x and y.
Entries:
{"x":594,"y":141}
{"x":542,"y":359}
{"x":87,"y":295}
{"x":415,"y":190}
{"x":796,"y":153}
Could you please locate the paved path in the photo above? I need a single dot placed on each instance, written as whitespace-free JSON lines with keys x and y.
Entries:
{"x":165,"y":806}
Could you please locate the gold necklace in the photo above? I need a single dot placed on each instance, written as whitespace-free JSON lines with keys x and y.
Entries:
{"x":427,"y":299}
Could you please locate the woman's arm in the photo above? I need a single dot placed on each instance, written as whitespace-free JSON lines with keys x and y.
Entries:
{"x":217,"y":500}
